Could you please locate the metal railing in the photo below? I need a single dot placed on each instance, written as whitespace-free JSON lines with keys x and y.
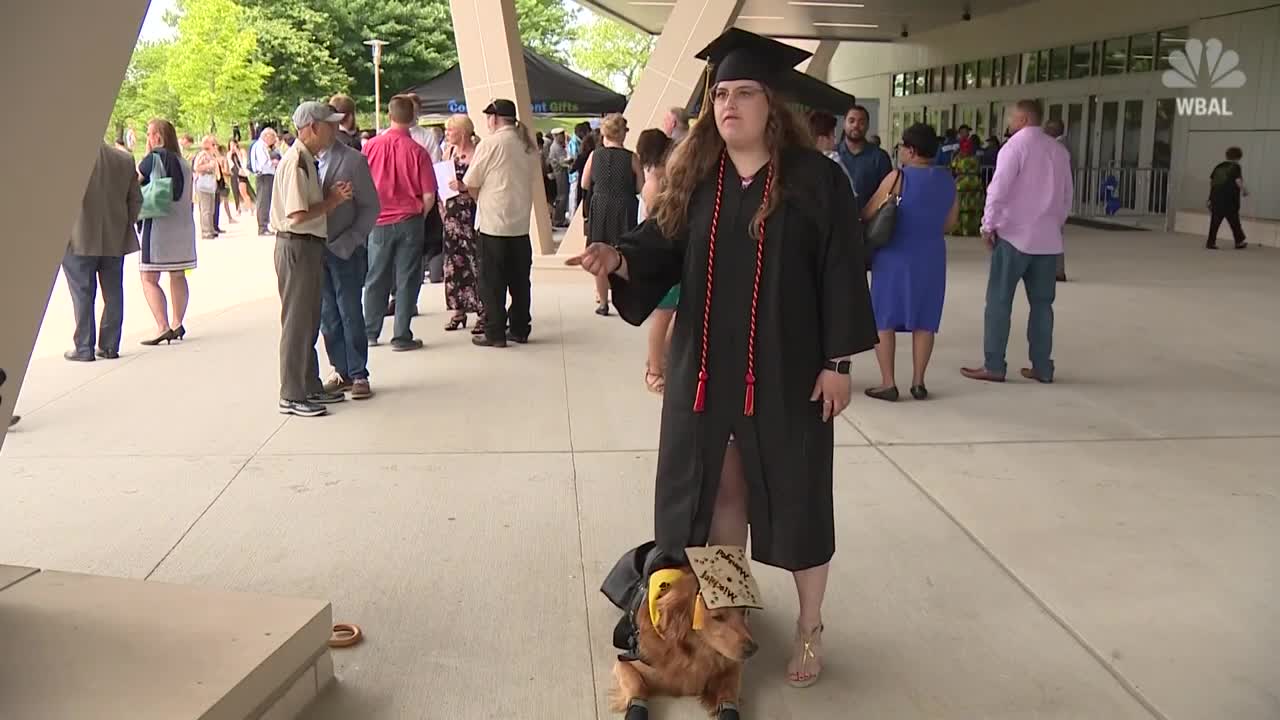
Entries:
{"x":1123,"y":193}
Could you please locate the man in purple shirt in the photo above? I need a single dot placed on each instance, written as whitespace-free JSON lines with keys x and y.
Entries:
{"x":1027,"y":204}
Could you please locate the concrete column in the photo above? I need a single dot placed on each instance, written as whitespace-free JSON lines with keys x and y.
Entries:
{"x":39,"y":211}
{"x":670,"y":79}
{"x":491,"y":58}
{"x":820,"y":64}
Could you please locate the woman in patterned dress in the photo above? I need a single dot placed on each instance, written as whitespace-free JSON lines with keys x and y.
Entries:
{"x":968,"y":174}
{"x":168,"y":242}
{"x":461,"y":271}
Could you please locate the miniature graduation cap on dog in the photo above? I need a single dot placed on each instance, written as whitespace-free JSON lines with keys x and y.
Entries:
{"x":724,"y":581}
{"x":741,"y":55}
{"x":724,"y":577}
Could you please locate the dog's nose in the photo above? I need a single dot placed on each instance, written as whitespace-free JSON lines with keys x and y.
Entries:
{"x":750,"y":649}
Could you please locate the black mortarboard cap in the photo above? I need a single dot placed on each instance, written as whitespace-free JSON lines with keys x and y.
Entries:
{"x":741,"y":55}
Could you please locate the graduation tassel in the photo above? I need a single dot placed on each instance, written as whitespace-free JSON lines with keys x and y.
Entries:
{"x":749,"y":408}
{"x":700,"y":398}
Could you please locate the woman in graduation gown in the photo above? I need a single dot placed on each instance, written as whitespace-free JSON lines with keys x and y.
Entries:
{"x":761,"y":232}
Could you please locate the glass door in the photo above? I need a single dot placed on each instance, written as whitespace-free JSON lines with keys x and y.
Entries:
{"x":1119,"y":155}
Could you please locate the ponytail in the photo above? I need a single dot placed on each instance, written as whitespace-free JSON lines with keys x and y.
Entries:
{"x":523,"y":131}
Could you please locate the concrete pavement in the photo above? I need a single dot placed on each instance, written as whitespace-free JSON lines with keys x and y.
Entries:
{"x":1099,"y":548}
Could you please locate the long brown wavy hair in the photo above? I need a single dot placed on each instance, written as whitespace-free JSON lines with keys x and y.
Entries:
{"x":698,"y":156}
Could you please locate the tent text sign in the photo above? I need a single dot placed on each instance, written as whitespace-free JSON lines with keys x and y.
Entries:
{"x":555,"y":89}
{"x":540,"y":107}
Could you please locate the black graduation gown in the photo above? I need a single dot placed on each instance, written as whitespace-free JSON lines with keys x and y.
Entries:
{"x":813,"y":305}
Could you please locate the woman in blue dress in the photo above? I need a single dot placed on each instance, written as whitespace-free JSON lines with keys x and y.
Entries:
{"x":909,"y":275}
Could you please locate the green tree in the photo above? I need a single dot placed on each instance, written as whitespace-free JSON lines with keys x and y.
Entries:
{"x":211,"y":66}
{"x":547,"y":27}
{"x":297,"y":42}
{"x":612,"y":54}
{"x":418,"y":33}
{"x":420,"y":40}
{"x":142,"y":95}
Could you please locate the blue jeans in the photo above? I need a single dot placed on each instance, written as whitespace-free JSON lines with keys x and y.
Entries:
{"x":341,"y":315}
{"x":395,"y":255}
{"x":85,"y":275}
{"x":1038,"y":274}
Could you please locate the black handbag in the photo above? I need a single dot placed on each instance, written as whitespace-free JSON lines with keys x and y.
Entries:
{"x":879,"y":230}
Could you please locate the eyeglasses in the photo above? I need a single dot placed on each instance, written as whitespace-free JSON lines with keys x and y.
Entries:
{"x":721,"y":96}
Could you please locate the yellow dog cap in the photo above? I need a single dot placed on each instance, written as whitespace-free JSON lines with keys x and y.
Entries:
{"x":661,"y":581}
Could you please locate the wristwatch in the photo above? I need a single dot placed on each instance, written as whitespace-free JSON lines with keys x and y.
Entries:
{"x":841,"y":366}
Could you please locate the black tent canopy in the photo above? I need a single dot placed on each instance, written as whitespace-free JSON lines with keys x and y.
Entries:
{"x":554,"y":89}
{"x":804,"y":90}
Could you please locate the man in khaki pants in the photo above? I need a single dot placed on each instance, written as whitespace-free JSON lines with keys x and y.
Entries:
{"x":298,"y":210}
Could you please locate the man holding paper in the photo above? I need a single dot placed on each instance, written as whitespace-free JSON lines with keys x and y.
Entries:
{"x":406,"y":182}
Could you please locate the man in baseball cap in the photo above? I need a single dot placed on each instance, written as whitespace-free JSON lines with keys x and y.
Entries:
{"x":502,"y":108}
{"x":299,"y":207}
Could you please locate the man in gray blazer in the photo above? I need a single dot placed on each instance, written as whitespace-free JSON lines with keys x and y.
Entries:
{"x":346,"y":264}
{"x":103,"y":235}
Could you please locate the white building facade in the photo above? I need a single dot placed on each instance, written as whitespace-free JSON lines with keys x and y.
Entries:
{"x":1100,"y":67}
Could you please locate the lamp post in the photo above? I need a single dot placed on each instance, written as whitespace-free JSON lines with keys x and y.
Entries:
{"x":376,"y":46}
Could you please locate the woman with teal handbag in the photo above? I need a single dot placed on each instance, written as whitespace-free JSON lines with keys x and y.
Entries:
{"x":168,"y":230}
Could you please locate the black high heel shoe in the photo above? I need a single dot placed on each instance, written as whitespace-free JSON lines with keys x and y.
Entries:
{"x":167,"y":338}
{"x":888,"y":394}
{"x":179,"y":333}
{"x":457,"y":322}
{"x":919,"y":392}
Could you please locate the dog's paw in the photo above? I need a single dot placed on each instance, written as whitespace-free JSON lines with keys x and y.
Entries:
{"x":728,"y":713}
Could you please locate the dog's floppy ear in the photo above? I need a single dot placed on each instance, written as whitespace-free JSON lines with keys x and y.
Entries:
{"x":676,"y":607}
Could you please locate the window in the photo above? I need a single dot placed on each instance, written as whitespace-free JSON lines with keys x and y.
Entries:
{"x":922,"y":82}
{"x":1170,"y":40}
{"x":984,"y":73}
{"x":1115,"y":56}
{"x":935,"y":80}
{"x":908,"y":83}
{"x":1042,"y":66}
{"x":948,"y":73}
{"x":970,"y":75}
{"x":997,"y":73}
{"x":1161,"y":154}
{"x":897,"y":85}
{"x":1011,"y":66}
{"x":1097,"y":59}
{"x":1142,"y":53}
{"x":1029,"y":64}
{"x":1059,"y":63}
{"x":1081,"y":61}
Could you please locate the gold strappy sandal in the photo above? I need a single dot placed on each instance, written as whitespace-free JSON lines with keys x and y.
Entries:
{"x":808,"y":647}
{"x":656,"y":382}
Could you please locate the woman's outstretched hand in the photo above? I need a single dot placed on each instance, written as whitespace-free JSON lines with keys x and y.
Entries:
{"x":599,"y":259}
{"x":832,"y":389}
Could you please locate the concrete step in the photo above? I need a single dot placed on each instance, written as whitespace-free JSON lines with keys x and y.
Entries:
{"x":83,"y":646}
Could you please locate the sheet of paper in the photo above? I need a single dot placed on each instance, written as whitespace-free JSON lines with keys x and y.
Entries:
{"x":446,"y":173}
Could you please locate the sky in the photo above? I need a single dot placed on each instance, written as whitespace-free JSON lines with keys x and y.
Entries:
{"x":153,"y":27}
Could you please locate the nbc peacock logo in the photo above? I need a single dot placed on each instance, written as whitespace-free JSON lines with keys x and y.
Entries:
{"x":1207,"y":65}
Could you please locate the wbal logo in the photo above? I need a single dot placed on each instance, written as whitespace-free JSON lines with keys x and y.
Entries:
{"x":1201,"y":64}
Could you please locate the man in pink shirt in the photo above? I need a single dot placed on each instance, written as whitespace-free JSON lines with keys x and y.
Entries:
{"x":1027,"y":204}
{"x":406,"y":183}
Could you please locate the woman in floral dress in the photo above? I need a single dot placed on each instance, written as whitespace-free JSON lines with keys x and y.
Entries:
{"x":461,"y":271}
{"x":968,"y":175}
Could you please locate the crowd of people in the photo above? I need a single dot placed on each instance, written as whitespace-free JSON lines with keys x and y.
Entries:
{"x":739,"y":238}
